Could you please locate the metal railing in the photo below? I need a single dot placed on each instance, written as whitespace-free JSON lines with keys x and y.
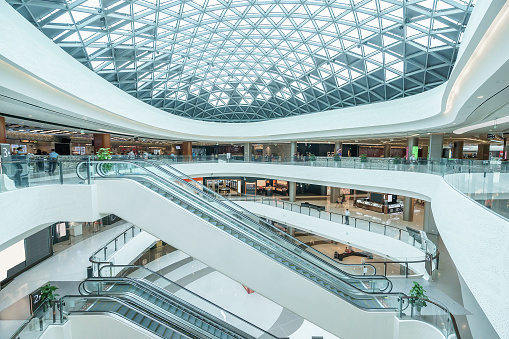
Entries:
{"x":101,"y":255}
{"x":356,"y":222}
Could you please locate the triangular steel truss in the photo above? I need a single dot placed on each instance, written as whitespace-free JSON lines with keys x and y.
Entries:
{"x":240,"y":61}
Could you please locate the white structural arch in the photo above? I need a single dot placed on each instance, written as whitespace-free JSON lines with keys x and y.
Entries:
{"x":41,"y":80}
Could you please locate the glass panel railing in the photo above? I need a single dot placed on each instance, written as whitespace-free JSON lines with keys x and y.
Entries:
{"x":367,"y":225}
{"x":239,"y":213}
{"x":132,"y":312}
{"x":33,"y":328}
{"x":174,"y":298}
{"x":430,"y":312}
{"x":338,"y":282}
{"x":247,"y":217}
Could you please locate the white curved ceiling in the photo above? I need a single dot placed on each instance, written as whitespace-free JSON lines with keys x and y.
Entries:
{"x":43,"y":81}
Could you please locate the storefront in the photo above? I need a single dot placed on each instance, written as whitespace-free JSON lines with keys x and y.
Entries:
{"x":224,"y":186}
{"x":380,"y":202}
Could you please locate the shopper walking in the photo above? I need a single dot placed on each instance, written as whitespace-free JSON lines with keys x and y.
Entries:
{"x":53,"y":159}
{"x":347,"y":217}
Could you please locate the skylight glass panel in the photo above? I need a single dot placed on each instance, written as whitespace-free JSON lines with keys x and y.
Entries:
{"x":238,"y":48}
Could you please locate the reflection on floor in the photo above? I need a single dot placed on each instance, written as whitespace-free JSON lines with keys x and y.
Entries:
{"x":230,"y":295}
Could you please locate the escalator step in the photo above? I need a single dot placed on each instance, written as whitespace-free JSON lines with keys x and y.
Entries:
{"x":160,"y":330}
{"x":145,"y":322}
{"x":122,"y":310}
{"x":137,"y":317}
{"x":153,"y":326}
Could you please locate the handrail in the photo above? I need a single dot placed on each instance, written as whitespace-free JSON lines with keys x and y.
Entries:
{"x":146,"y":313}
{"x":141,"y":282}
{"x":278,"y":200}
{"x":292,"y":253}
{"x":20,"y":329}
{"x":204,"y":203}
{"x":443,"y":308}
{"x":244,"y":211}
{"x":93,"y":256}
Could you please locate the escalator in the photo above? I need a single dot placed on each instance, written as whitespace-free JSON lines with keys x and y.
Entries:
{"x":171,"y":308}
{"x":106,"y":305}
{"x":248,"y":234}
{"x":376,"y":283}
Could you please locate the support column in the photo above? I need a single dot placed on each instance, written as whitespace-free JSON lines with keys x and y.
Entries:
{"x":411,"y":143}
{"x":247,"y":151}
{"x":102,"y":141}
{"x":293,"y":151}
{"x":436,"y":146}
{"x":457,"y":151}
{"x":334,"y":194}
{"x":483,"y":151}
{"x":338,"y":148}
{"x":408,"y":209}
{"x":292,"y":192}
{"x":387,"y":150}
{"x":3,"y":132}
{"x":187,"y":149}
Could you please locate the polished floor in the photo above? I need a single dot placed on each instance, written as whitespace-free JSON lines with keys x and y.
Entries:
{"x":67,"y":265}
{"x":393,"y":219}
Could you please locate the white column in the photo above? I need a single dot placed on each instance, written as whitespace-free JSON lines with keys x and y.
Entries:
{"x":408,"y":209}
{"x":247,"y":151}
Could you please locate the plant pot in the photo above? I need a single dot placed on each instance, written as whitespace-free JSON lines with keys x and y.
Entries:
{"x":416,"y":311}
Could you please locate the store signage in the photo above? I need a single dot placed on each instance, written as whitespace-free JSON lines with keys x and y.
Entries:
{"x":35,"y":300}
{"x":491,"y":136}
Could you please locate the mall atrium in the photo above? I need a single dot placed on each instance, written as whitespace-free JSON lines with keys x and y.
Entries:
{"x":303,"y":169}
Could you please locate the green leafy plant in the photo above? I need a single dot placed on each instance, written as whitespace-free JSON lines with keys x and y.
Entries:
{"x":364,"y":158}
{"x":104,"y":154}
{"x":396,"y":161}
{"x":312,"y":157}
{"x":417,"y":296}
{"x":47,"y":292}
{"x":336,"y":157}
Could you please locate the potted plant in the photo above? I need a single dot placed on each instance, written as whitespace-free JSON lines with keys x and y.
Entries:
{"x":397,"y":163}
{"x":364,"y":158}
{"x":102,"y":155}
{"x":418,"y":298}
{"x":47,"y":295}
{"x":336,"y":159}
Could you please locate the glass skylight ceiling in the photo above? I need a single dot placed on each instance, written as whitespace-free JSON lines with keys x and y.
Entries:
{"x":239,"y":61}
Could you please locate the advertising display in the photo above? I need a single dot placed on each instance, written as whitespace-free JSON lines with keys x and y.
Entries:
{"x":250,"y":188}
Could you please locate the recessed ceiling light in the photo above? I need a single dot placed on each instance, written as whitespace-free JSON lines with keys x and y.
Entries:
{"x":454,"y":123}
{"x":480,"y":97}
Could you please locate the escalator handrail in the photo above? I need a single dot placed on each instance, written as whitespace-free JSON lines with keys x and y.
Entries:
{"x":213,"y":195}
{"x":271,"y":228}
{"x":160,"y":292}
{"x":286,"y":253}
{"x":203,"y":204}
{"x":161,"y":184}
{"x":146,"y":313}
